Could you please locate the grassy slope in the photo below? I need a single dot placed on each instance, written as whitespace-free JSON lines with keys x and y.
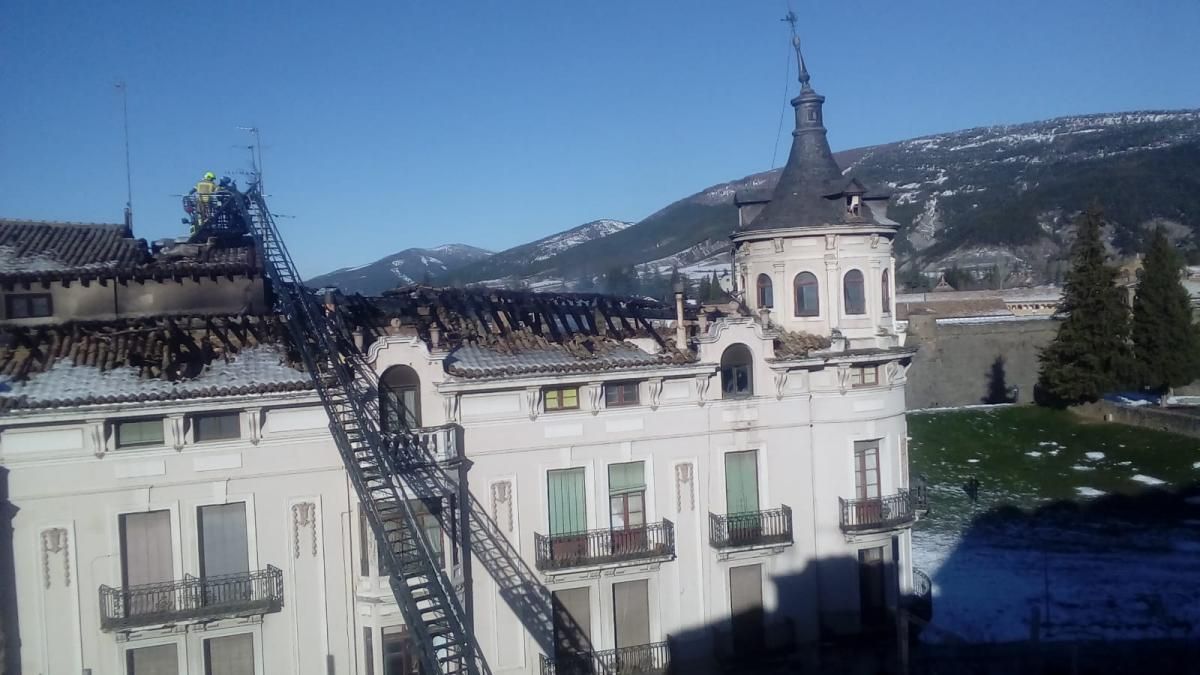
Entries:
{"x":944,"y":443}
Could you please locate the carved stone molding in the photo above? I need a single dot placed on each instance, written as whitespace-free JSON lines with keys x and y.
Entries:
{"x":830,"y":242}
{"x":533,"y":401}
{"x":702,"y":389}
{"x":56,"y":542}
{"x":502,"y":504}
{"x":95,"y":434}
{"x":656,"y":388}
{"x":175,"y":426}
{"x":595,"y":396}
{"x":254,"y":418}
{"x":778,"y":242}
{"x":843,"y":376}
{"x":685,"y":485}
{"x":304,"y":517}
{"x":781,"y":382}
{"x":451,"y":405}
{"x":874,"y":241}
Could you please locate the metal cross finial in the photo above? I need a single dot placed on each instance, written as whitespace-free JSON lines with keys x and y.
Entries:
{"x":791,"y":20}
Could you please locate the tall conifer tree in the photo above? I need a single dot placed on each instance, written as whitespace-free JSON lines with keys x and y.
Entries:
{"x":1166,"y":343}
{"x":1090,"y":356}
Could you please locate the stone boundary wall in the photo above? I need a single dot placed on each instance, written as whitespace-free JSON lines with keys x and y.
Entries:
{"x":957,"y":359}
{"x":1147,"y":417}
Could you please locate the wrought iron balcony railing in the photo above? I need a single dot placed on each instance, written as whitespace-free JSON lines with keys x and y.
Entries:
{"x":192,"y":599}
{"x":919,"y":601}
{"x":878,"y":513}
{"x":602,"y":547}
{"x":753,"y":528}
{"x":640,"y":660}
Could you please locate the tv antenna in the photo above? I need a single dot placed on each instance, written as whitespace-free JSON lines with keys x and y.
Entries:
{"x":123,"y":89}
{"x":255,"y":152}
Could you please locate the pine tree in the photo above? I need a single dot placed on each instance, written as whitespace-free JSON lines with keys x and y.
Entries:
{"x":704,"y":291}
{"x":1166,"y":343}
{"x":715,"y":292}
{"x":1090,"y":356}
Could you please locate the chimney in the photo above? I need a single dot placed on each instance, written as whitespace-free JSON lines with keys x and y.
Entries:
{"x":680,"y":329}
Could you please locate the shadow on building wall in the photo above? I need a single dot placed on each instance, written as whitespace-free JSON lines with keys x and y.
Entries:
{"x":10,"y":638}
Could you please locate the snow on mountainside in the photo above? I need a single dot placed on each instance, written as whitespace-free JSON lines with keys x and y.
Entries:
{"x":524,"y":262}
{"x":988,"y":202}
{"x":409,"y":266}
{"x":557,"y":243}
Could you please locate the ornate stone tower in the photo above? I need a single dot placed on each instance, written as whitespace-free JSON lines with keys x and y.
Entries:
{"x":815,"y":255}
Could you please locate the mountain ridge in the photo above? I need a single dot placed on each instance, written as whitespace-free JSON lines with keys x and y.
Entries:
{"x":993,"y":201}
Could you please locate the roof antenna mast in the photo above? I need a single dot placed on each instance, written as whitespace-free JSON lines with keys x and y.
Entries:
{"x":255,"y":155}
{"x":124,"y":90}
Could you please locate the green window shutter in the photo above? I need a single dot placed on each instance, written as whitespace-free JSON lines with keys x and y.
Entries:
{"x":627,"y":477}
{"x":568,"y":505}
{"x":741,"y":482}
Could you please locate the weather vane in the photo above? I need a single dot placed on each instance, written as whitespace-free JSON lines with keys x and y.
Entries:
{"x":791,"y":20}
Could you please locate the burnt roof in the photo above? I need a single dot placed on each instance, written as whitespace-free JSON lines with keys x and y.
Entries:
{"x":32,"y":250}
{"x":159,"y":359}
{"x":491,"y":332}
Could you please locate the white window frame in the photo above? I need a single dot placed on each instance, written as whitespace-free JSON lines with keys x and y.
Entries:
{"x":251,"y":530}
{"x":197,"y":638}
{"x":114,"y":536}
{"x":181,"y":651}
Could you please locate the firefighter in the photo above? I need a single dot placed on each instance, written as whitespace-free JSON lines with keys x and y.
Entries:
{"x":204,"y":191}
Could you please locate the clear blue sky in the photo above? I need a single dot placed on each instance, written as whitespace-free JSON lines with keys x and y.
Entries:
{"x":492,"y":122}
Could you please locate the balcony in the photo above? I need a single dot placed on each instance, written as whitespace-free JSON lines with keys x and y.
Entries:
{"x":416,"y":446}
{"x":192,"y":599}
{"x":919,"y":601}
{"x":604,"y":547}
{"x":879,"y":513}
{"x":753,"y":528}
{"x":442,"y":441}
{"x":640,"y":660}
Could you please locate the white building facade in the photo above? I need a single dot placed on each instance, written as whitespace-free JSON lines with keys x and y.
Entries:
{"x":647,"y":485}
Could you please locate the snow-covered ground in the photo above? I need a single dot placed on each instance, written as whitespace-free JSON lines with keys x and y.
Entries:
{"x":1108,"y":560}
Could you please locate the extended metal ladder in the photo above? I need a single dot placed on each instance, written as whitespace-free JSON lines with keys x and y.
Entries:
{"x":387,"y":469}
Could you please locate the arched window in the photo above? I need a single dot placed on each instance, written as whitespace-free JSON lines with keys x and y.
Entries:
{"x":399,"y":398}
{"x":737,"y":377}
{"x":765,"y":298}
{"x":854,"y":294}
{"x":808,"y":296}
{"x":887,"y":292}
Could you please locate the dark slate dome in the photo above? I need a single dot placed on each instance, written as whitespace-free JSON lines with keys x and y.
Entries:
{"x":812,"y":192}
